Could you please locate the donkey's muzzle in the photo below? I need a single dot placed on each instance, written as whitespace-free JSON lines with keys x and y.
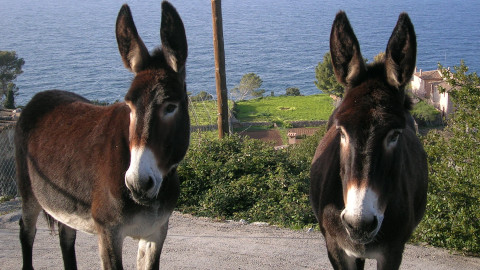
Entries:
{"x":143,"y":191}
{"x":361,"y":230}
{"x":143,"y":178}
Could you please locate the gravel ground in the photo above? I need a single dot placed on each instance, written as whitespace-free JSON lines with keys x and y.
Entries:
{"x":201,"y":243}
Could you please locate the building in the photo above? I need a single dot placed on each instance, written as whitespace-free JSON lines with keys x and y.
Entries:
{"x":426,"y":86}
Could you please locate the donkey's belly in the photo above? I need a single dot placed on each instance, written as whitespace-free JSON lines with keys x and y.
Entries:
{"x":66,"y":204}
{"x":78,"y":221}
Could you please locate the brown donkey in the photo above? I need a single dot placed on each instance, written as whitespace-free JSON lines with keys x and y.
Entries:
{"x":110,"y":170}
{"x":369,"y":173}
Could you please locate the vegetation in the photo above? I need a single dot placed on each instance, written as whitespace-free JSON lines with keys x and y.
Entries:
{"x":204,"y":113}
{"x":325,"y":78}
{"x":285,"y":108}
{"x":248,"y":87}
{"x":241,"y":178}
{"x":292,"y":91}
{"x":425,"y":112}
{"x":12,"y":91}
{"x":10,"y":68}
{"x":202,"y":96}
{"x":379,"y":57}
{"x":452,"y":218}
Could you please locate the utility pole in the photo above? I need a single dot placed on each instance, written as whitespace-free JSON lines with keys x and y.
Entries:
{"x":220,"y":77}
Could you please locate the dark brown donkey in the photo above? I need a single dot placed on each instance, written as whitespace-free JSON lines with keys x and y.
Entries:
{"x":369,"y":174}
{"x":110,"y":170}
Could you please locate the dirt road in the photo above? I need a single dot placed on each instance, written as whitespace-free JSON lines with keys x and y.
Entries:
{"x":200,"y":243}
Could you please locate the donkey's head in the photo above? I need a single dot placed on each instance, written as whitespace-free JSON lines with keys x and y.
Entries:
{"x":370,"y":122}
{"x":159,"y":123}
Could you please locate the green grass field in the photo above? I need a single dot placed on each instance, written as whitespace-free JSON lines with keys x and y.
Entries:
{"x":285,"y":108}
{"x":204,"y":112}
{"x":273,"y":109}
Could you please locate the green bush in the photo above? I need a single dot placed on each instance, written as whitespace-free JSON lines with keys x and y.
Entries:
{"x":241,"y":178}
{"x":425,"y":112}
{"x":452,"y":218}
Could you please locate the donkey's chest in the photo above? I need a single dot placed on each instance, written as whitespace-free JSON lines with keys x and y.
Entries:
{"x":365,"y":253}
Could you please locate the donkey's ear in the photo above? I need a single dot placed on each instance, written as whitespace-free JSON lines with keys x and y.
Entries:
{"x":347,"y":61}
{"x":401,"y":52}
{"x":132,"y":49}
{"x":174,"y":40}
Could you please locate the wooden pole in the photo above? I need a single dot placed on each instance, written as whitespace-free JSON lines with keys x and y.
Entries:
{"x":220,"y":77}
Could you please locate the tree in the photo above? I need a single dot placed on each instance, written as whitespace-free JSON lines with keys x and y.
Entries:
{"x":249,"y":86}
{"x":292,"y":91}
{"x":258,"y":93}
{"x":202,"y":96}
{"x":326,"y":80}
{"x":12,"y":91}
{"x":10,"y":68}
{"x":379,"y":57}
{"x":465,"y":94}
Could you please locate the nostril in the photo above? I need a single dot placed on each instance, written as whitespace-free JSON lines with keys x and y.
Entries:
{"x":345,"y":221}
{"x":149,"y":184}
{"x":373,"y":225}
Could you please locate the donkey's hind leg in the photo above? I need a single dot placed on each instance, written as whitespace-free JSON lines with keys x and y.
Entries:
{"x":28,"y":228}
{"x":67,"y":243}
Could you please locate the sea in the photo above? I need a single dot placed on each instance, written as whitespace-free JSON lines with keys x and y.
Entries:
{"x":70,"y":44}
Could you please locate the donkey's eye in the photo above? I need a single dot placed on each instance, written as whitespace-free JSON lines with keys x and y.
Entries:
{"x":170,"y":108}
{"x":392,"y":139}
{"x":395,"y":136}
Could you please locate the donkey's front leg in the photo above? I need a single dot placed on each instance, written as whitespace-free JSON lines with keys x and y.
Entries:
{"x":110,"y":245}
{"x":150,"y":248}
{"x":391,"y":258}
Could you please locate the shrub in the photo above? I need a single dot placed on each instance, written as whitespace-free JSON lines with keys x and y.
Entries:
{"x":452,"y":218}
{"x":202,"y":96}
{"x":425,"y":112}
{"x":241,"y":178}
{"x":292,"y":91}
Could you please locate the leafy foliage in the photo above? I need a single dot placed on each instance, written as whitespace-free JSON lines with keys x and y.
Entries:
{"x":249,"y":86}
{"x":12,"y":91}
{"x":379,"y":57}
{"x":425,"y":112}
{"x":10,"y":68}
{"x":241,"y":178}
{"x":325,"y":78}
{"x":452,"y":218}
{"x":202,"y":96}
{"x":292,"y":91}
